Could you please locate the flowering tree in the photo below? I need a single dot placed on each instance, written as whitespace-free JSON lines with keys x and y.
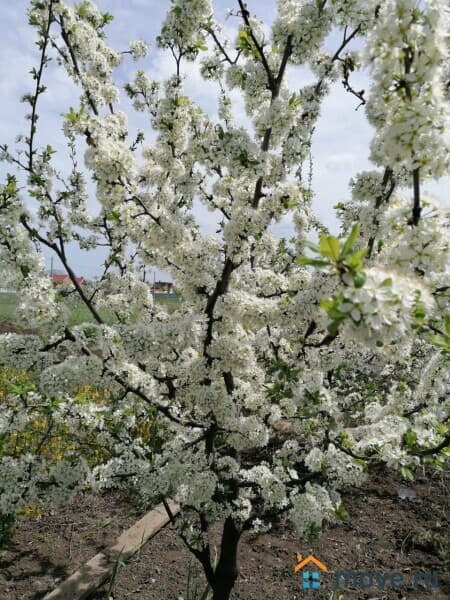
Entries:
{"x":288,"y":368}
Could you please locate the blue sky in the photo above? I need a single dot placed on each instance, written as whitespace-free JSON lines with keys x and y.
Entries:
{"x":341,"y":141}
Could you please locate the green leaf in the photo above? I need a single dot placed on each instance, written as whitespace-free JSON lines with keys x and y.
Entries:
{"x":420,"y":312}
{"x":341,"y":513}
{"x":441,"y":341}
{"x":410,"y":438}
{"x":442,"y":429}
{"x":201,"y":46}
{"x":362,"y":464}
{"x":11,"y":186}
{"x":89,"y":331}
{"x":288,"y":203}
{"x":333,"y":327}
{"x":295,"y":100}
{"x":335,"y":313}
{"x":107,"y":18}
{"x":350,"y":241}
{"x":245,"y":42}
{"x":339,"y":206}
{"x":332,"y":308}
{"x":329,"y":247}
{"x":313,"y":247}
{"x":72,"y":116}
{"x":115,"y":216}
{"x":447,"y":324}
{"x":305,"y":260}
{"x":327,"y":304}
{"x":355,"y":260}
{"x":359,"y":279}
{"x":313,"y":532}
{"x":406,"y":473}
{"x":345,"y":440}
{"x":181,"y":100}
{"x":243,"y":158}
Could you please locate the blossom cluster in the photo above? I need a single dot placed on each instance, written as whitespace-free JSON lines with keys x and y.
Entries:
{"x":407,"y":50}
{"x":263,"y":406}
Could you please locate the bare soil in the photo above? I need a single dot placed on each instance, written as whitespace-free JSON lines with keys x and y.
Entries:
{"x":383,"y":533}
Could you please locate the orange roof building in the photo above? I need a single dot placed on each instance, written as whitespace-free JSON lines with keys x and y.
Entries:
{"x":64,"y":279}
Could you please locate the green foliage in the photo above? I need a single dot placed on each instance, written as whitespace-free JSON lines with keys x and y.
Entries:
{"x":442,"y":338}
{"x":50,"y":439}
{"x":246,"y":161}
{"x":442,"y":548}
{"x":201,"y":46}
{"x":345,"y":440}
{"x":339,"y":255}
{"x":420,"y":313}
{"x":362,"y":463}
{"x":285,"y":376}
{"x":194,"y":591}
{"x":341,"y":513}
{"x":406,"y":473}
{"x":436,"y":459}
{"x":313,"y":532}
{"x":332,"y":307}
{"x":295,"y":100}
{"x":410,"y":439}
{"x":245,"y":42}
{"x":118,"y":565}
{"x":83,"y":10}
{"x":73,"y":116}
{"x":8,"y":190}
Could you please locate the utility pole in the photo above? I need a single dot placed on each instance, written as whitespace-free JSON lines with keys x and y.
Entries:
{"x":51,"y":267}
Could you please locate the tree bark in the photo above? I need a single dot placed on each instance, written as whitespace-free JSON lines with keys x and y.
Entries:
{"x":226,"y":571}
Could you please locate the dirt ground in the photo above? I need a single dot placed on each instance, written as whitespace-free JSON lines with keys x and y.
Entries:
{"x":385,"y":532}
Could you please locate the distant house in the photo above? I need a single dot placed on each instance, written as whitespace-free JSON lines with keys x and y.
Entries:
{"x":162,"y":287}
{"x":64,"y":279}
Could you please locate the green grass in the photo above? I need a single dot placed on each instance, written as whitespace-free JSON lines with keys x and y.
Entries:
{"x":79,"y":311}
{"x":171,"y":303}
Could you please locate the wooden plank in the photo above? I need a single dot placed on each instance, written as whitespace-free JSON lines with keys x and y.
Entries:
{"x":97,"y":570}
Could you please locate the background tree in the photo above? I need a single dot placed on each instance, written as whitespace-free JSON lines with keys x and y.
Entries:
{"x":289,"y":368}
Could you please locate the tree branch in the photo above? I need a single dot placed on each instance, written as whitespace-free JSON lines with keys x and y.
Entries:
{"x":43,"y":62}
{"x":245,"y":15}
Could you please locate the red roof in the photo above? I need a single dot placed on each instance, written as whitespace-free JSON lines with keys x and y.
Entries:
{"x":64,"y":278}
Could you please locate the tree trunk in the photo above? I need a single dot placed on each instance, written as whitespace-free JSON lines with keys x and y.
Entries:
{"x":226,"y":571}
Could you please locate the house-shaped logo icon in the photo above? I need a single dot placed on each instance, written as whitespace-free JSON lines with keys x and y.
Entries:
{"x":311,"y":578}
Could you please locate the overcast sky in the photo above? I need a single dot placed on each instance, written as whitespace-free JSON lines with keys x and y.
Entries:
{"x":341,"y":141}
